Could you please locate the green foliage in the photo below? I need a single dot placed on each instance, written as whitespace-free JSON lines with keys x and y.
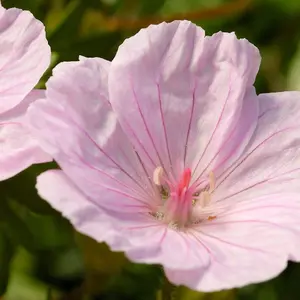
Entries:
{"x":7,"y":249}
{"x":41,"y":257}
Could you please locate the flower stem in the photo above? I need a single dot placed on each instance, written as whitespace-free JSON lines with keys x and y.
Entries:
{"x":169,"y":291}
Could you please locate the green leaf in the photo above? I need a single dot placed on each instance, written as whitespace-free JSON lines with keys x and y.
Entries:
{"x":26,"y":193}
{"x":14,"y":226}
{"x":100,"y":263}
{"x":33,"y":231}
{"x":180,"y":6}
{"x":22,"y":284}
{"x":136,"y":282}
{"x":68,"y":30}
{"x":147,"y":7}
{"x":7,"y":250}
{"x":62,"y":268}
{"x":31,"y":5}
{"x":184,"y":293}
{"x":102,"y":45}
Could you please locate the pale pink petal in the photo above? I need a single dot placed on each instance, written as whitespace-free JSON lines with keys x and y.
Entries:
{"x":76,"y":125}
{"x":24,"y":56}
{"x":143,"y":238}
{"x":86,"y":216}
{"x":271,"y":161}
{"x":120,"y":231}
{"x":250,"y":243}
{"x":179,"y":95}
{"x":18,"y":148}
{"x":173,"y":248}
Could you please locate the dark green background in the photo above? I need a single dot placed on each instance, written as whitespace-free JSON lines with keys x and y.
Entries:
{"x":41,"y":256}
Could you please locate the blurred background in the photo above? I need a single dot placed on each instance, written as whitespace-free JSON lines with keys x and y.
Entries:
{"x":41,"y":256}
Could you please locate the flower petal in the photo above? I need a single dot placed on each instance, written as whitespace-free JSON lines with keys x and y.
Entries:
{"x":250,"y":243}
{"x":55,"y":187}
{"x":154,"y":243}
{"x":258,"y":228}
{"x":76,"y":125}
{"x":271,"y":162}
{"x":19,"y":149}
{"x":181,"y":94}
{"x":25,"y":55}
{"x":143,"y":239}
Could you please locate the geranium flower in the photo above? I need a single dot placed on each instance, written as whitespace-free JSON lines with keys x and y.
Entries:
{"x":168,"y":154}
{"x":24,"y":57}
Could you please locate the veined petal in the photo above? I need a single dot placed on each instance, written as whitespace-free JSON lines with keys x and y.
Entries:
{"x":143,"y":239}
{"x":55,"y":187}
{"x":19,"y":149}
{"x":24,"y":57}
{"x":271,"y":162}
{"x":250,"y":243}
{"x":181,"y":96}
{"x":173,"y":249}
{"x":76,"y":125}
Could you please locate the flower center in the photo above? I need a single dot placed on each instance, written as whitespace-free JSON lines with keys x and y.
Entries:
{"x":183,"y":203}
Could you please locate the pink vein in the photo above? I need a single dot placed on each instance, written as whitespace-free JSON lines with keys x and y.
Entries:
{"x":144,"y":226}
{"x":218,"y":152}
{"x":232,"y":244}
{"x":259,"y":208}
{"x":250,"y":153}
{"x":110,"y":176}
{"x":102,"y":151}
{"x":139,"y":142}
{"x":189,"y":127}
{"x":214,"y":131}
{"x":163,"y":123}
{"x":257,"y":183}
{"x":10,"y":123}
{"x":250,"y":221}
{"x":146,"y":126}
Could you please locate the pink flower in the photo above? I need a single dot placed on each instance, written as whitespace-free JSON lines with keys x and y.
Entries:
{"x":24,"y":56}
{"x":168,"y":154}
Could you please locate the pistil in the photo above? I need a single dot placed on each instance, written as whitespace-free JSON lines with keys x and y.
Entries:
{"x":180,"y":201}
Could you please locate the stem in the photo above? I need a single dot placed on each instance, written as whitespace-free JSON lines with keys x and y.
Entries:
{"x":169,"y":291}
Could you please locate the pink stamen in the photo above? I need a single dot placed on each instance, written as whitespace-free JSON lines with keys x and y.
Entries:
{"x":184,"y":181}
{"x":178,"y":207}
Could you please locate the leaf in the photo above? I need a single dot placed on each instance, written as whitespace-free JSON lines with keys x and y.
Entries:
{"x":67,"y":30}
{"x":184,"y":293}
{"x":22,"y":284}
{"x":102,"y":45}
{"x":100,"y":263}
{"x":136,"y":282}
{"x":175,"y":6}
{"x":147,"y":7}
{"x":7,"y":250}
{"x":14,"y":226}
{"x":26,"y":193}
{"x":33,"y":231}
{"x":31,"y":5}
{"x":99,"y":257}
{"x":62,"y":268}
{"x":293,"y":77}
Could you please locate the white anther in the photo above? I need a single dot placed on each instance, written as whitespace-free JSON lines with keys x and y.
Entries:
{"x":157,"y":175}
{"x":212,"y":182}
{"x":204,"y":198}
